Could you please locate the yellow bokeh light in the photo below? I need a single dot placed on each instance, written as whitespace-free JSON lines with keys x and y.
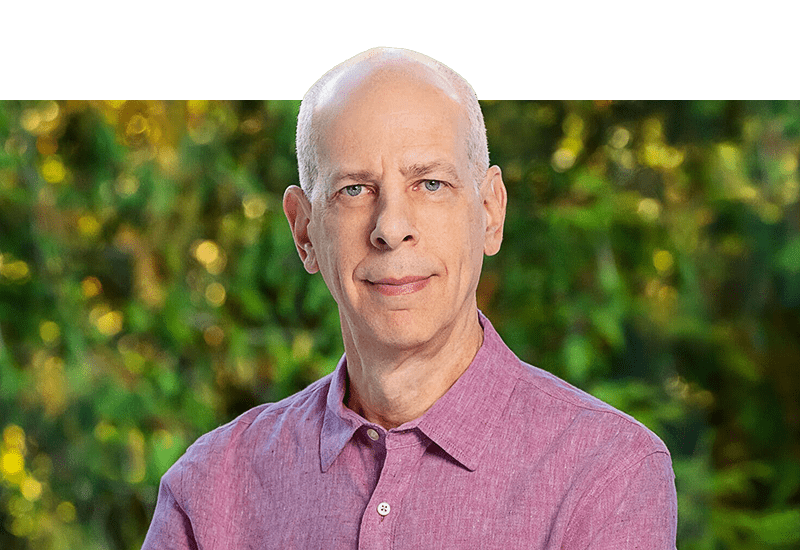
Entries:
{"x":627,"y":160}
{"x":18,"y":506}
{"x":245,"y":370}
{"x":53,"y":170}
{"x":663,"y":261}
{"x":51,"y":386}
{"x":109,"y":323}
{"x":137,"y":125}
{"x":216,"y":267}
{"x":197,"y":106}
{"x":254,"y":206}
{"x":573,"y":144}
{"x":788,"y":163}
{"x":104,"y":431}
{"x":620,"y":138}
{"x":22,"y":526}
{"x":49,"y":331}
{"x":206,"y":252}
{"x":203,"y":133}
{"x":98,"y":311}
{"x":126,"y":185}
{"x":91,"y":287}
{"x":88,"y":225}
{"x":13,"y":462}
{"x":770,"y":213}
{"x":747,"y":193}
{"x":302,"y":346}
{"x":66,"y":512}
{"x":649,"y":209}
{"x":563,"y":160}
{"x":30,"y":489}
{"x":653,"y":154}
{"x":30,"y":120}
{"x":652,"y":129}
{"x":211,"y":256}
{"x":213,"y":336}
{"x":14,"y":270}
{"x":168,"y":159}
{"x":729,"y":155}
{"x":790,"y":191}
{"x":137,"y":467}
{"x":673,"y":158}
{"x":573,"y":125}
{"x":14,"y":437}
{"x":215,"y":294}
{"x":49,"y":111}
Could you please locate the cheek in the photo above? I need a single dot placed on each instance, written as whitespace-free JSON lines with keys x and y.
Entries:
{"x":340,"y":246}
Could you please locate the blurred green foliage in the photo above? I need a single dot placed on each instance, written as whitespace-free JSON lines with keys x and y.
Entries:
{"x":150,"y":291}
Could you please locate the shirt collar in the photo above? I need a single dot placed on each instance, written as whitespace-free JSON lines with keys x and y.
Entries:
{"x":339,"y":423}
{"x":461,"y":422}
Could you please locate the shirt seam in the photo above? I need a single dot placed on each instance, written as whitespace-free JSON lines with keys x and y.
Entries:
{"x":610,"y":410}
{"x":278,"y":407}
{"x":174,"y":497}
{"x":599,"y":489}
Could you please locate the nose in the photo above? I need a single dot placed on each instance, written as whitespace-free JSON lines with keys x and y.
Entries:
{"x":394,"y":223}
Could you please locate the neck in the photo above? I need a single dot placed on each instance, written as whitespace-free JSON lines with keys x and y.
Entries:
{"x":390,"y":386}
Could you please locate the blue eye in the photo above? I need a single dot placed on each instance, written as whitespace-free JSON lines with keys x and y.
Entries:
{"x":353,"y":190}
{"x":432,"y":185}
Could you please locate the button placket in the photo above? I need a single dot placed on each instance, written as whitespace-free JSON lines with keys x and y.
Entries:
{"x":403,"y":452}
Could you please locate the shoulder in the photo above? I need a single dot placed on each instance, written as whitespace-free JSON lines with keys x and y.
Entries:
{"x":581,"y":422}
{"x":220,"y":451}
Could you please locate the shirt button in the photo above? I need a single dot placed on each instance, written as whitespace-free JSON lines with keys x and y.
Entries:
{"x":384,"y":508}
{"x":373,"y":435}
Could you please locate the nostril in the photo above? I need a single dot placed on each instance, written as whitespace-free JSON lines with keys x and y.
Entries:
{"x":408,"y":238}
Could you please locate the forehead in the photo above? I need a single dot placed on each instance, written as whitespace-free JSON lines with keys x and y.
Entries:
{"x":396,"y":111}
{"x":369,"y":72}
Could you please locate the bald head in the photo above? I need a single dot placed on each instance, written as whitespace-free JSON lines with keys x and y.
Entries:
{"x":382,"y":71}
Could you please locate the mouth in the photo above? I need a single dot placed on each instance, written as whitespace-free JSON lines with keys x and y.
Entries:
{"x":398,"y":287}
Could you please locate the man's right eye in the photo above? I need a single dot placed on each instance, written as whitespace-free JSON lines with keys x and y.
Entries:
{"x":352,"y":190}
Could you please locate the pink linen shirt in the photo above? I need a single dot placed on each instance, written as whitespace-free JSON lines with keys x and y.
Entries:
{"x":510,"y":457}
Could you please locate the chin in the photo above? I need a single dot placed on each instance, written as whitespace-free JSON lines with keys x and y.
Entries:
{"x":401,"y":328}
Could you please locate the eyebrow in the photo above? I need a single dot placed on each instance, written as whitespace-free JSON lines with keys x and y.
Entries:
{"x":360,"y":176}
{"x":419,"y":170}
{"x":412,"y":171}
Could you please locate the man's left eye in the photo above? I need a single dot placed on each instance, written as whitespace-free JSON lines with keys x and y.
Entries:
{"x":352,"y":190}
{"x":432,"y":185}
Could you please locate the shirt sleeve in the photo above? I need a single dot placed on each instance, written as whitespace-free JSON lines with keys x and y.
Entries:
{"x":636,"y":509}
{"x":171,"y":528}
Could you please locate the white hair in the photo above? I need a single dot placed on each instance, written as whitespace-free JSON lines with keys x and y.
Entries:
{"x":308,"y":135}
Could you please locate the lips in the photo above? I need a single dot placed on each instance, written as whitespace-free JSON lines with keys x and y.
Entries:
{"x":390,"y":286}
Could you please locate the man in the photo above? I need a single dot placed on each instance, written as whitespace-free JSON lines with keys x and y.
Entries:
{"x":430,"y":433}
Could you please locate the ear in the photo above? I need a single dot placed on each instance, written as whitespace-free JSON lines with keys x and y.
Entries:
{"x":297,"y":208}
{"x":493,"y":195}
